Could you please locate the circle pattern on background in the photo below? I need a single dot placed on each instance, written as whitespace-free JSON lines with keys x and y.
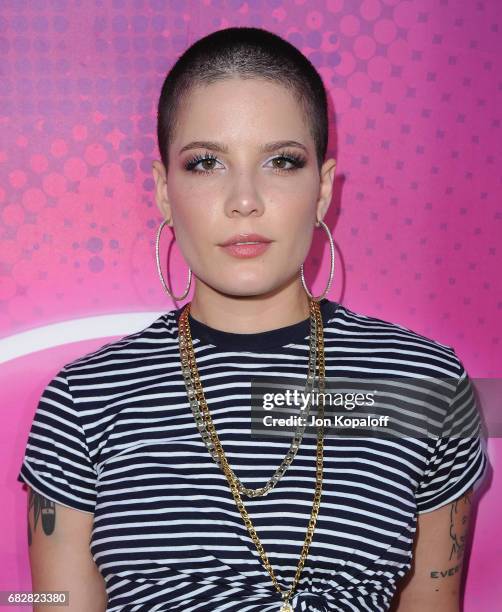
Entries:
{"x":416,"y":94}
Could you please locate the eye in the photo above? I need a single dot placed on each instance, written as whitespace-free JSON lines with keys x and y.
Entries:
{"x":194,"y":161}
{"x":297,"y":161}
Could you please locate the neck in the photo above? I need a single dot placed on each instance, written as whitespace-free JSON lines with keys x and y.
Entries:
{"x":243,"y":314}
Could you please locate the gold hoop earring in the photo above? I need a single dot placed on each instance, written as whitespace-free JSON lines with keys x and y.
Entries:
{"x":157,"y":257}
{"x":331,"y":269}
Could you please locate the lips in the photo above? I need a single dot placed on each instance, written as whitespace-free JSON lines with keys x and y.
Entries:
{"x":246,"y":250}
{"x":240,"y":238}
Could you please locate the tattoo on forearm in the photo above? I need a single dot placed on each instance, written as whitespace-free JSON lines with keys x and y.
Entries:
{"x":42,"y":507}
{"x":459,"y":519}
{"x":448,"y":572}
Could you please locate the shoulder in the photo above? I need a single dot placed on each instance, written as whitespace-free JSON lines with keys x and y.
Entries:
{"x":158,"y":336}
{"x":372,"y":335}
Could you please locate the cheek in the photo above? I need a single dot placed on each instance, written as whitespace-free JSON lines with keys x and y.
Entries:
{"x":292,"y":226}
{"x":296,"y":199}
{"x":301,"y":225}
{"x":190,"y":203}
{"x":198,"y":226}
{"x":295,"y":214}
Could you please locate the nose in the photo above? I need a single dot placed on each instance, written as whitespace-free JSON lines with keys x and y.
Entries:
{"x":244,"y":198}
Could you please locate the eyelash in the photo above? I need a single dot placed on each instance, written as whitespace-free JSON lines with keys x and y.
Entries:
{"x":298,"y":161}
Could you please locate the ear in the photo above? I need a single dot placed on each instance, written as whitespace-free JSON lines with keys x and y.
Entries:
{"x":326,"y":188}
{"x":160,"y":178}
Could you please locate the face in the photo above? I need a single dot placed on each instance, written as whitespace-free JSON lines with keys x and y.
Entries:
{"x":210,"y":194}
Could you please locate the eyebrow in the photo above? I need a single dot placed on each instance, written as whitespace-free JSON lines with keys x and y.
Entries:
{"x":269,"y":147}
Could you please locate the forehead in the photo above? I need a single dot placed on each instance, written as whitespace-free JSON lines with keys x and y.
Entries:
{"x":241,"y":109}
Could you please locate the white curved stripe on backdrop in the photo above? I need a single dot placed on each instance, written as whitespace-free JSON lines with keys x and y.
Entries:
{"x":75,"y":330}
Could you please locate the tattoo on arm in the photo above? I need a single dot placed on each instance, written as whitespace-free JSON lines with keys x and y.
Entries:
{"x":44,"y":508}
{"x":459,"y":517}
{"x":447,"y":572}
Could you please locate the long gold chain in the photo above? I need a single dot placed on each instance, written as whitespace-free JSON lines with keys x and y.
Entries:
{"x":188,"y":361}
{"x":185,"y":341}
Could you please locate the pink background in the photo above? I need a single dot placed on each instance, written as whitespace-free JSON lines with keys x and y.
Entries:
{"x":415,"y":102}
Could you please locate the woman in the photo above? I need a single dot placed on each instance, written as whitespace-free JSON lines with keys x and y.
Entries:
{"x":152,"y":492}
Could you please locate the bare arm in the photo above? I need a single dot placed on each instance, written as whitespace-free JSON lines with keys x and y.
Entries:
{"x":434,"y":580}
{"x":60,"y":557}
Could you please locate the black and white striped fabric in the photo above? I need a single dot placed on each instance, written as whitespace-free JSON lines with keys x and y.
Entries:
{"x":114,"y":435}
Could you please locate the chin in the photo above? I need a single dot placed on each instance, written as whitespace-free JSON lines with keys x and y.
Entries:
{"x":245,"y":288}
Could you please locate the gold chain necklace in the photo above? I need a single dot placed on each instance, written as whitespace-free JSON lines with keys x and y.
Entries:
{"x":188,"y":362}
{"x":185,"y":340}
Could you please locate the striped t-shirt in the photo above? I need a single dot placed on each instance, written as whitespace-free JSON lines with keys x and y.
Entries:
{"x":114,"y":435}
